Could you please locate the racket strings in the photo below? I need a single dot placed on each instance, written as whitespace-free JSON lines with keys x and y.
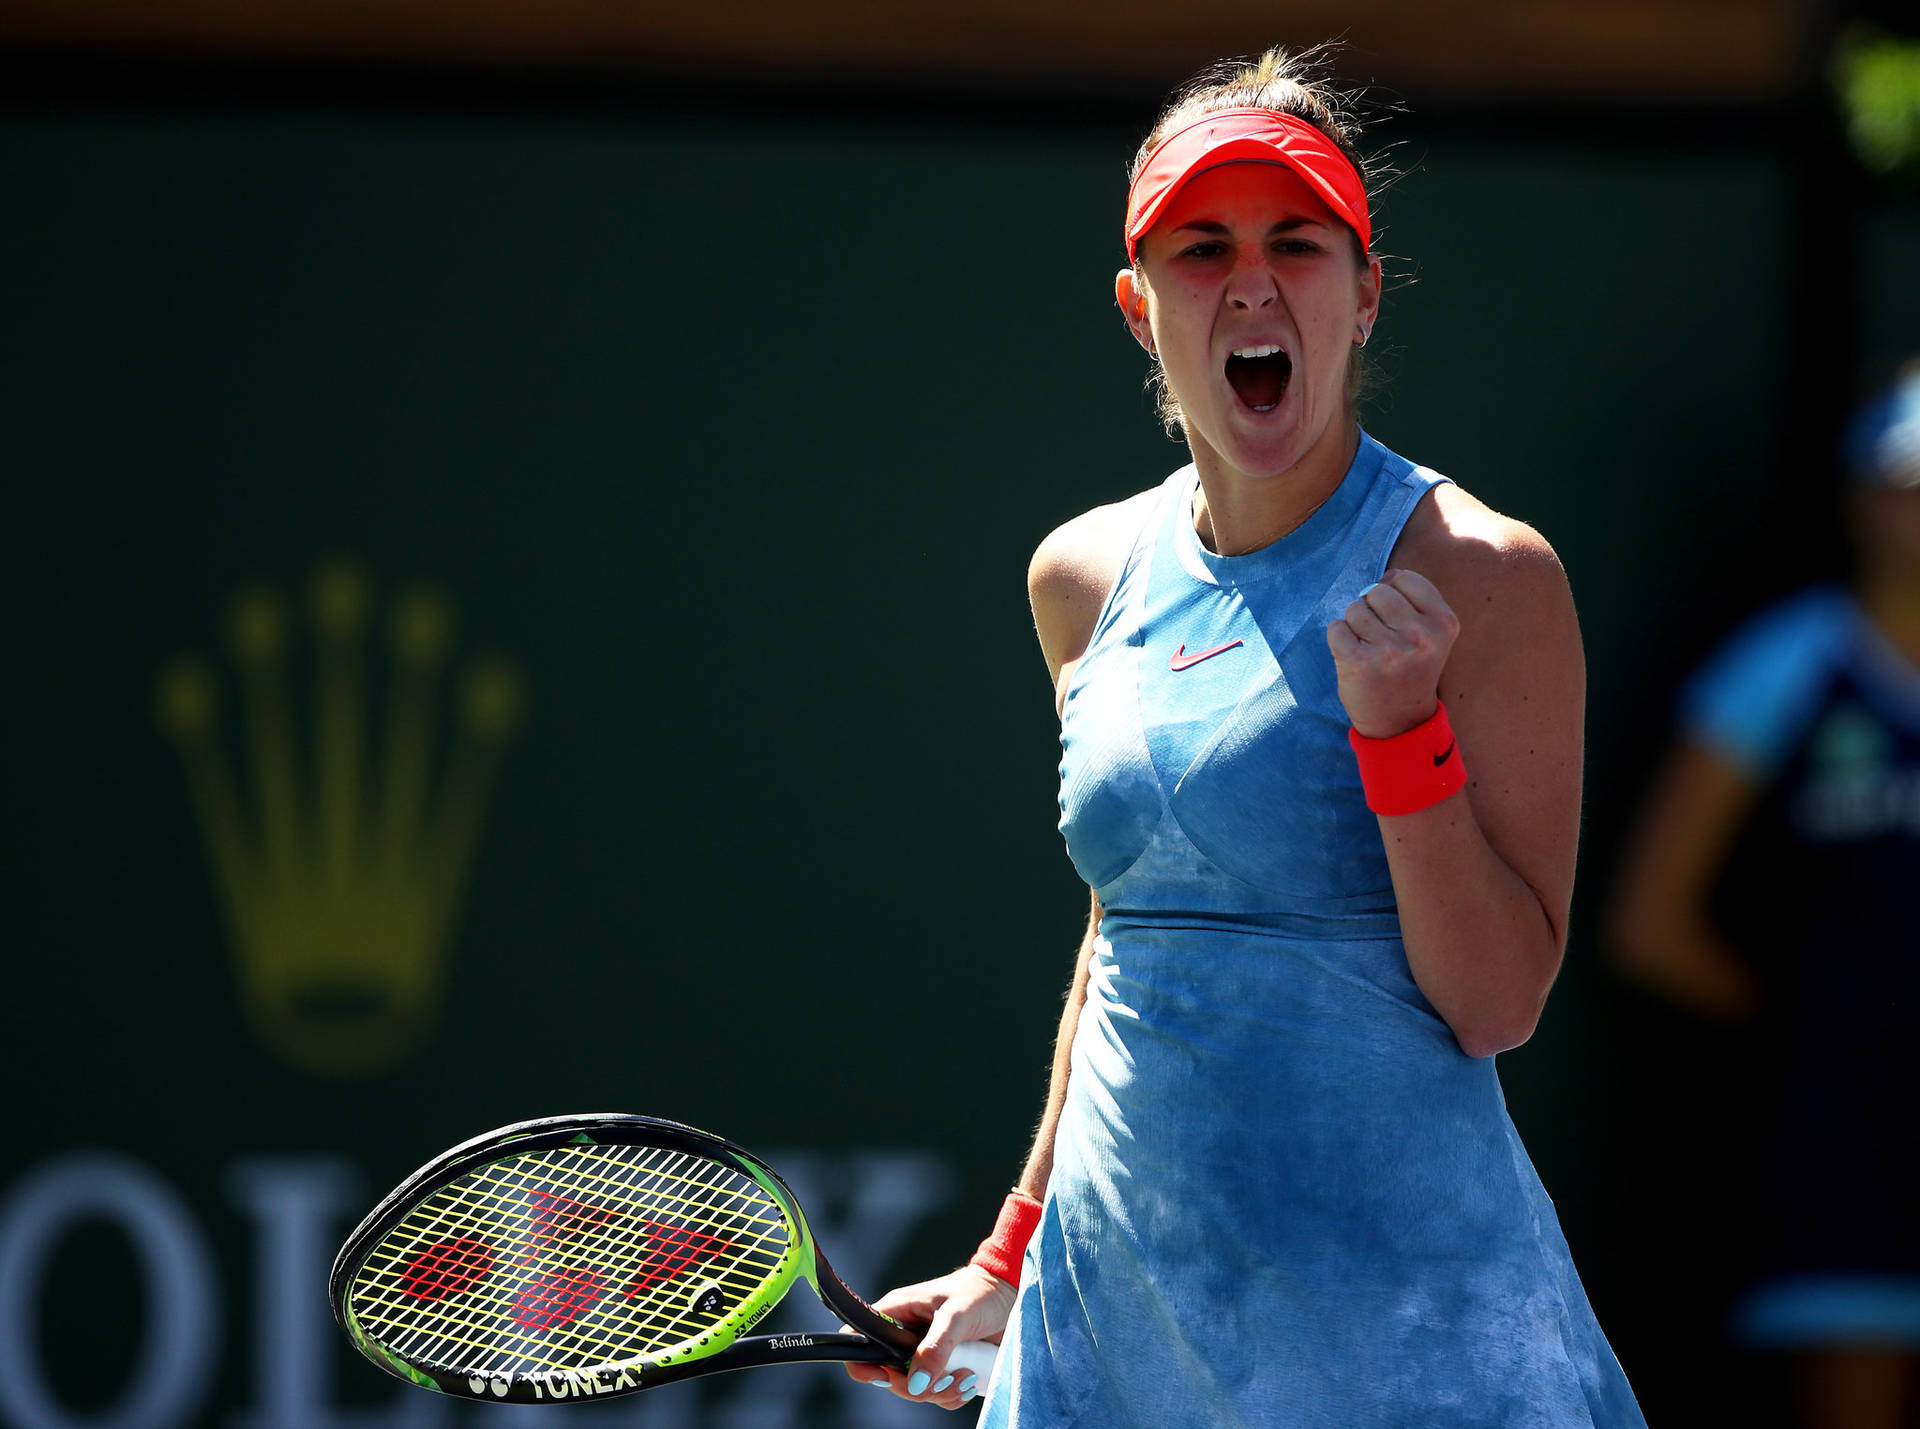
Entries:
{"x":486,"y":1205}
{"x":570,"y":1257}
{"x":555,"y":1301}
{"x":541,"y":1301}
{"x":550,"y":1301}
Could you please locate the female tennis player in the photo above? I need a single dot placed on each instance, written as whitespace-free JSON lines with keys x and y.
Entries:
{"x":1321,"y":722}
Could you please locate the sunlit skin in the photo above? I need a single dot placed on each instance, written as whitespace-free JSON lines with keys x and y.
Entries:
{"x":1246,"y":254}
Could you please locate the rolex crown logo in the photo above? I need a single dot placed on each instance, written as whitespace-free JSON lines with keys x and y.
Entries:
{"x":340,"y":872}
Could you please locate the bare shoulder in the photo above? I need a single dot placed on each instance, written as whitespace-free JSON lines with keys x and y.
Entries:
{"x":1072,"y":571}
{"x":1515,"y":679}
{"x":1492,"y":569}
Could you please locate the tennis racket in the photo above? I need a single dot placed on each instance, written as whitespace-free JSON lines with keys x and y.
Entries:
{"x":578,"y":1257}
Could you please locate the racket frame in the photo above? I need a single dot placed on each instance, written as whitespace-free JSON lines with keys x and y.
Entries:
{"x":880,"y":1339}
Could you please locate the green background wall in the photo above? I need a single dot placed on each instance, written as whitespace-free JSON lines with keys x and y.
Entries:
{"x":733,"y":437}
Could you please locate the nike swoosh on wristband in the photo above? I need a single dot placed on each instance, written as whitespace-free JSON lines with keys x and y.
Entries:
{"x":1180,"y":659}
{"x":1443,"y":755}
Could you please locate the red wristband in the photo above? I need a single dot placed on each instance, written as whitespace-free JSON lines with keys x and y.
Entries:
{"x":1000,"y":1253}
{"x":1410,"y":771}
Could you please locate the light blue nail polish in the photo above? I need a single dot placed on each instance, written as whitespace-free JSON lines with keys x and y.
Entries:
{"x":918,"y":1382}
{"x":945,"y":1380}
{"x":881,"y":1383}
{"x":967,"y":1384}
{"x":967,"y":1398}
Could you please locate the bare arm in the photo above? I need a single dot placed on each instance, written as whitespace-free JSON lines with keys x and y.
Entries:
{"x":1658,"y":925}
{"x":1483,"y":879}
{"x":1039,"y":1168}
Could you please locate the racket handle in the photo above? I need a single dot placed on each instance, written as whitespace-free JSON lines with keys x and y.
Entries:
{"x":976,"y":1356}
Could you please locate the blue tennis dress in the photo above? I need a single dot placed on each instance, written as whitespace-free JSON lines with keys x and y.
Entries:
{"x":1282,"y":1195}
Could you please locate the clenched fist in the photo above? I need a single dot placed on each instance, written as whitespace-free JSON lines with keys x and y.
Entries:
{"x":1389,"y":649}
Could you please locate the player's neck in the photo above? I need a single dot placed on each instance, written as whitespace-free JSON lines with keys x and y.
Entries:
{"x":1234,"y":514}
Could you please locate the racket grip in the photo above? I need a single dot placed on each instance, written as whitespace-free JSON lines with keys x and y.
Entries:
{"x":976,"y":1356}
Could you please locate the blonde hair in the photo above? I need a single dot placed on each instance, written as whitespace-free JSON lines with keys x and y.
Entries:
{"x":1287,"y":82}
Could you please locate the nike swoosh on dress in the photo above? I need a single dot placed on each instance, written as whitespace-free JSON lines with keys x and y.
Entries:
{"x":1180,"y":659}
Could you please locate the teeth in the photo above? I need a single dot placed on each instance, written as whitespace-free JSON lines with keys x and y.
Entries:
{"x":1264,"y":350}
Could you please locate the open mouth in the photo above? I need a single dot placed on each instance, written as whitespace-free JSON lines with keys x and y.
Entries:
{"x":1258,"y":375}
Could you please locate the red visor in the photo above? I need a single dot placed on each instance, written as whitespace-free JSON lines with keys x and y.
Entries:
{"x":1231,"y":135}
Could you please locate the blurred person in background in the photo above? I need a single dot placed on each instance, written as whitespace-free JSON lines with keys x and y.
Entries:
{"x":1275,"y":1181}
{"x":1774,"y":875}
